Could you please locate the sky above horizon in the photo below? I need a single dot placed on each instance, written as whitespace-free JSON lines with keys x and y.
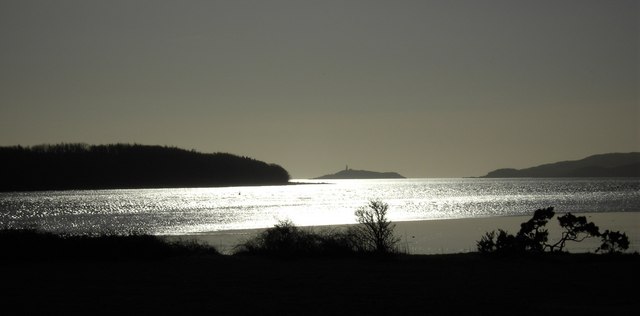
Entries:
{"x":423,"y":88}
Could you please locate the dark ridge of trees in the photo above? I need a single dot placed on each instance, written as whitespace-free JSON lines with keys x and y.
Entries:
{"x":81,"y":166}
{"x":605,"y":165}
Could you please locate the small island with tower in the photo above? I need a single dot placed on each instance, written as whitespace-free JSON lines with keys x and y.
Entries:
{"x":348,"y":173}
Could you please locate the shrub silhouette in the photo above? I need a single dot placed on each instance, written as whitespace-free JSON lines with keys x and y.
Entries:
{"x":288,"y":241}
{"x":613,"y":242}
{"x":373,"y":235}
{"x":501,"y":242}
{"x":533,"y":237}
{"x":375,"y":232}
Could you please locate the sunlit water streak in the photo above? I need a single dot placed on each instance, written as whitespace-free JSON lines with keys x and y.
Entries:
{"x":181,"y":211}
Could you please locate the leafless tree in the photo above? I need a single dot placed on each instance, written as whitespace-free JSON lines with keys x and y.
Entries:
{"x":375,"y":232}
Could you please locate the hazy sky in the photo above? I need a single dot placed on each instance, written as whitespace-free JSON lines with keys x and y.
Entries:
{"x":424,"y":88}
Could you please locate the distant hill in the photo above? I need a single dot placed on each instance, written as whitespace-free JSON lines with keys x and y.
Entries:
{"x":80,"y":166}
{"x":605,"y":165}
{"x":361,"y":174}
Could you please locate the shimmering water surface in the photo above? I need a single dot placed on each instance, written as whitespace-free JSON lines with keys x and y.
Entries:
{"x":180,"y":211}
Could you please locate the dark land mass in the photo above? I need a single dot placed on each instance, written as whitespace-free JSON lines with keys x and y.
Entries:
{"x":49,"y":274}
{"x":361,"y":174}
{"x":80,"y":166}
{"x":459,"y":284}
{"x":605,"y":165}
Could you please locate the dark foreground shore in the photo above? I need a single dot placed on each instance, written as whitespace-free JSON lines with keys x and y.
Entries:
{"x":467,"y":284}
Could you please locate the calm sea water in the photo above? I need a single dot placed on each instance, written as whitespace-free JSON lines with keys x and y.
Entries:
{"x":180,"y":211}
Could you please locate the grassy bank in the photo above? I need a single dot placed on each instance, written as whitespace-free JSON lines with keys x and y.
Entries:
{"x":18,"y":245}
{"x":193,"y":281}
{"x":421,"y":285}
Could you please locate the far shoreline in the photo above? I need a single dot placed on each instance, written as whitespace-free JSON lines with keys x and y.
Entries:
{"x":292,"y":182}
{"x":164,"y":187}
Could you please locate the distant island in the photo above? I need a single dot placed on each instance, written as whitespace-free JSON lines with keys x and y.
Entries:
{"x":81,"y":166}
{"x":605,"y":165}
{"x":361,"y":174}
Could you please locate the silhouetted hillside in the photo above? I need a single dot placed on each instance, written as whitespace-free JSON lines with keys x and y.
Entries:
{"x":605,"y":165}
{"x":361,"y":174}
{"x":79,"y":166}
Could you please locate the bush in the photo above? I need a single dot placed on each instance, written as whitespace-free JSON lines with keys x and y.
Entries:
{"x":288,"y":241}
{"x":613,"y":242}
{"x":283,"y":239}
{"x":373,"y":235}
{"x":533,"y":236}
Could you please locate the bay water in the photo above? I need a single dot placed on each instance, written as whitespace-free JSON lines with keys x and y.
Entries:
{"x":307,"y":202}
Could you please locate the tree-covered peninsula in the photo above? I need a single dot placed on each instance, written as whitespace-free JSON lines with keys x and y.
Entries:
{"x":81,"y":166}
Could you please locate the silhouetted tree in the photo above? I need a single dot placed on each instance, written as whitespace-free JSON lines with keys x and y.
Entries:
{"x":502,"y":242}
{"x":613,"y":242}
{"x":576,"y":228}
{"x":375,"y":232}
{"x":487,"y":242}
{"x":533,"y":236}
